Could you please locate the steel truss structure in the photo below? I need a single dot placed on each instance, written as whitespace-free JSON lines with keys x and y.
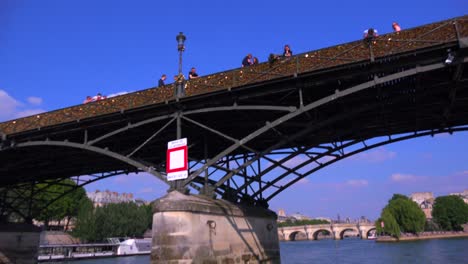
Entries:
{"x":26,"y":200}
{"x":250,"y":143}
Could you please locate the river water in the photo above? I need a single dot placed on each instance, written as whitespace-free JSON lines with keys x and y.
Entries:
{"x":350,"y":250}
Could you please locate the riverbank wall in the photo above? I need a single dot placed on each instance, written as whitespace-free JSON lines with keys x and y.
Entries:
{"x":423,"y":236}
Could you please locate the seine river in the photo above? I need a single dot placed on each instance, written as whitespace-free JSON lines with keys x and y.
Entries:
{"x":444,"y":251}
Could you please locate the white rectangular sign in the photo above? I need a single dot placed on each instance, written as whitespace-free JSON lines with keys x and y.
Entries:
{"x":172,"y":176}
{"x":177,"y":143}
{"x":177,"y":159}
{"x":177,"y":163}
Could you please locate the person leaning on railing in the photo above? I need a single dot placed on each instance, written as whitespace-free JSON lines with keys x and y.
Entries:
{"x":396,"y":27}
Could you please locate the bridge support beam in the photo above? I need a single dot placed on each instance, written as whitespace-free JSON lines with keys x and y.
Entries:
{"x":337,"y":235}
{"x":363,"y":234}
{"x":19,"y":243}
{"x":197,"y":229}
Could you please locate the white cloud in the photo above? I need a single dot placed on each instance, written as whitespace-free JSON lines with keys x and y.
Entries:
{"x":303,"y":181}
{"x":123,"y":178}
{"x":357,"y":183}
{"x":326,"y":159}
{"x":146,"y":190}
{"x":28,"y":112}
{"x":34,"y":100}
{"x":8,"y":105}
{"x":399,"y":177}
{"x":11,"y":108}
{"x":375,"y":156}
{"x":301,"y":159}
{"x":442,"y":135}
{"x":297,"y":160}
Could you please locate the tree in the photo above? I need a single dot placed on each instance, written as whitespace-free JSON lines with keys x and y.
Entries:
{"x":76,"y":198}
{"x":408,"y":215}
{"x":112,"y":220}
{"x":398,"y":196}
{"x":290,"y":222}
{"x":390,"y":225}
{"x":405,"y":213}
{"x":56,"y":201}
{"x":149,"y":214}
{"x":85,"y":226}
{"x":450,"y":212}
{"x":50,"y":200}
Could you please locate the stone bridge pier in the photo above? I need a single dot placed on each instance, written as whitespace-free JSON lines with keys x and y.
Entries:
{"x":19,"y":243}
{"x":197,"y":229}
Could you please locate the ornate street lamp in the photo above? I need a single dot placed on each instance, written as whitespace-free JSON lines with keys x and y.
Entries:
{"x":180,"y":47}
{"x":179,"y":91}
{"x":180,"y":78}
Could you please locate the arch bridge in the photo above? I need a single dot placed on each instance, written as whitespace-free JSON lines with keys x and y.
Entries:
{"x":254,"y":131}
{"x":337,"y":231}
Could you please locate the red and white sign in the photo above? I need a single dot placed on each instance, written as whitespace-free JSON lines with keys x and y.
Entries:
{"x":177,"y":160}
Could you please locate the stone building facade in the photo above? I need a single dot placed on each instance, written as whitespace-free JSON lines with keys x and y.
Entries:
{"x":425,"y":200}
{"x":463,"y":195}
{"x":107,"y":197}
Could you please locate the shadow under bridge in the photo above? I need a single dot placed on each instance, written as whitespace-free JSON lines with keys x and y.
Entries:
{"x":253,"y":132}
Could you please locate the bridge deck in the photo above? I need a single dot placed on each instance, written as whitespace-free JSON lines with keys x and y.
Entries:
{"x":326,"y":59}
{"x":284,"y":108}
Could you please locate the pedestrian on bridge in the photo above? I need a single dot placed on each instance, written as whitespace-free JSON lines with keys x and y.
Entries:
{"x":247,"y":61}
{"x":370,"y":33}
{"x":161,"y":81}
{"x":287,"y":52}
{"x":193,"y":73}
{"x":88,"y":99}
{"x":255,"y":61}
{"x":396,"y":27}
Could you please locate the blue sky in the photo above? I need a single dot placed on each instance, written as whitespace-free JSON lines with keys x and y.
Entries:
{"x":55,"y":53}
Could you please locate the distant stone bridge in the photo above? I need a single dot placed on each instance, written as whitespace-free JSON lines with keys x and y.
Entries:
{"x":311,"y":232}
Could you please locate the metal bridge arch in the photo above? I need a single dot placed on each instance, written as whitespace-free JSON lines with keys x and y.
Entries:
{"x":244,"y":157}
{"x":18,"y":200}
{"x":101,"y":151}
{"x":339,"y":147}
{"x":304,"y":108}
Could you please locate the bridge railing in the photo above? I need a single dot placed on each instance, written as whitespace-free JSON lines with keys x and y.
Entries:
{"x":339,"y":55}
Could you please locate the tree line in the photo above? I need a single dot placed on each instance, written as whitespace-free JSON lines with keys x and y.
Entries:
{"x":290,"y":222}
{"x":112,"y":220}
{"x":64,"y":202}
{"x":47,"y":201}
{"x":402,"y":215}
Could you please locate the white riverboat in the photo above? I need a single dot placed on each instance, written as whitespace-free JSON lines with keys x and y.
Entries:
{"x":134,"y":247}
{"x":115,"y":248}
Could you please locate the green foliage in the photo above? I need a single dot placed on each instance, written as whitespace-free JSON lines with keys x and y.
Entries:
{"x":401,"y":215}
{"x":85,"y":227}
{"x":290,"y":222}
{"x":57,"y":201}
{"x":16,"y":207}
{"x":398,"y":196}
{"x":407,"y":214}
{"x":112,"y":220}
{"x":45,"y":201}
{"x":391,"y":226}
{"x":450,"y":212}
{"x":149,"y":215}
{"x":431,"y":226}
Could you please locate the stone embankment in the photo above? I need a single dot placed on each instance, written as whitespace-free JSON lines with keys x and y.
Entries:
{"x":423,"y":236}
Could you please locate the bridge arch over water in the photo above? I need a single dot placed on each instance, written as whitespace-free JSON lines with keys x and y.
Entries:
{"x":253,"y":132}
{"x":336,"y":231}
